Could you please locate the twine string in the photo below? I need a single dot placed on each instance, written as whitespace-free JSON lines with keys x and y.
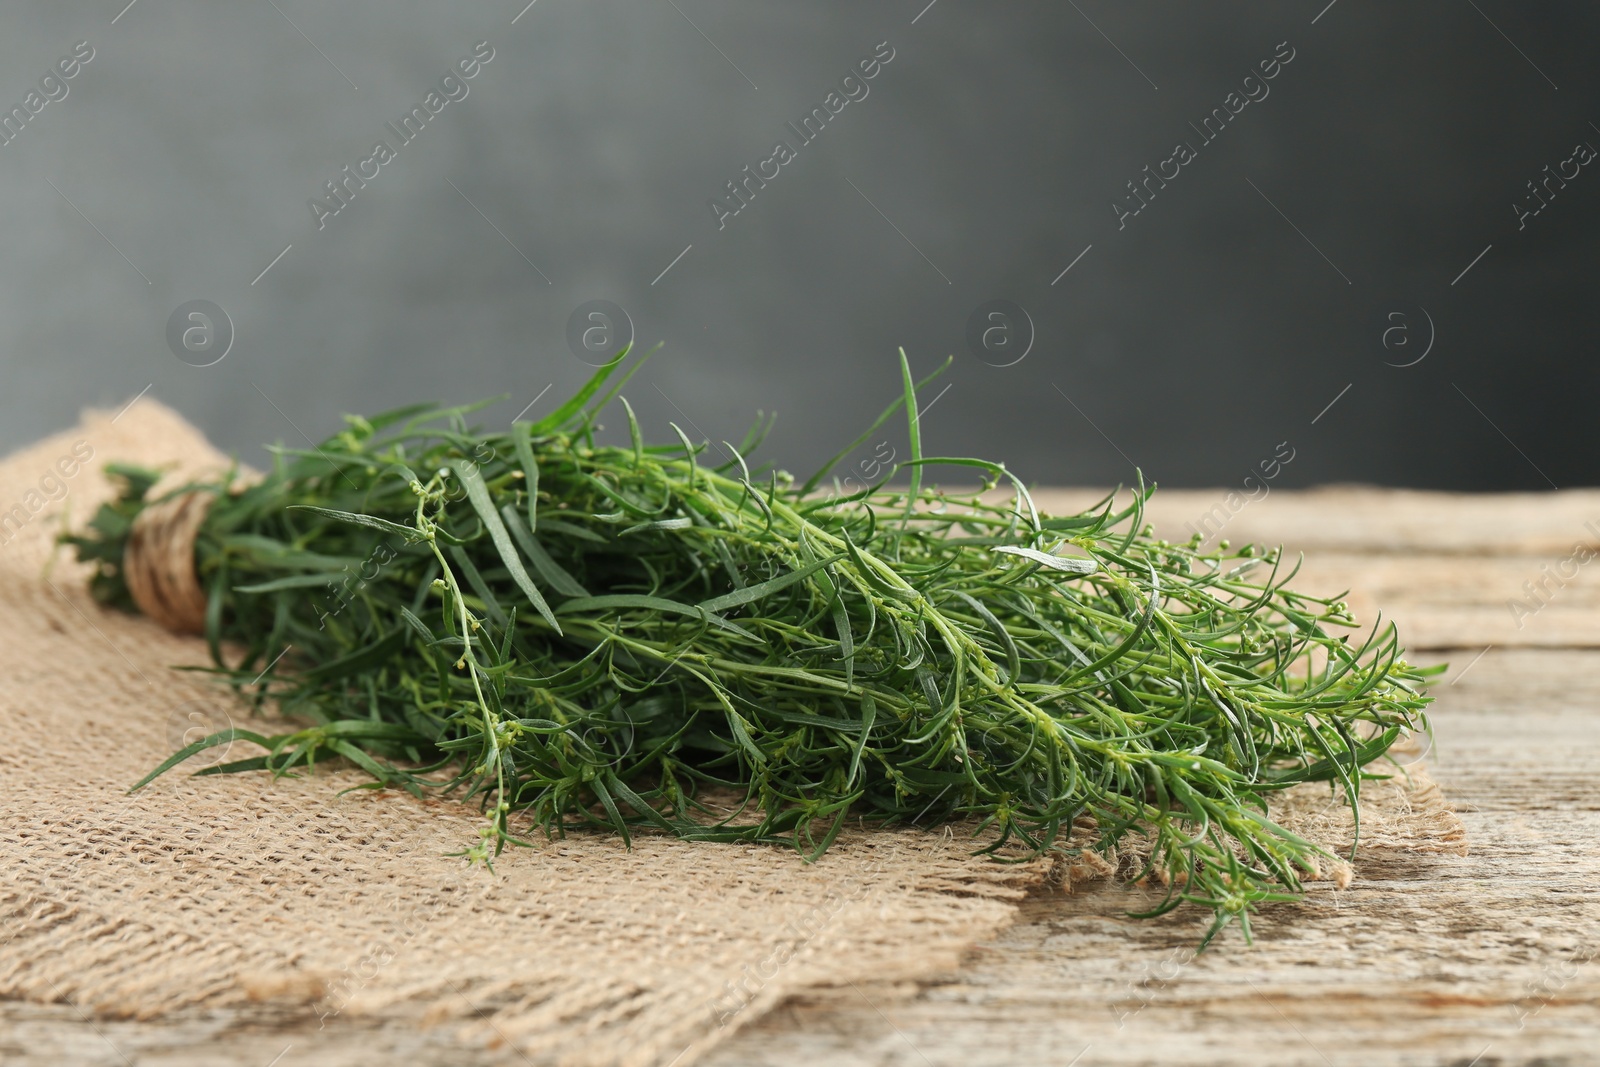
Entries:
{"x":158,"y":562}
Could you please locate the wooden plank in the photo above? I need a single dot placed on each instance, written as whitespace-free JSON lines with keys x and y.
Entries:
{"x":1368,"y":520}
{"x":1453,"y":570}
{"x":1483,"y":959}
{"x":1454,"y":601}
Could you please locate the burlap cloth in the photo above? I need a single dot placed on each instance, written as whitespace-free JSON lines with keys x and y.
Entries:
{"x":218,"y":891}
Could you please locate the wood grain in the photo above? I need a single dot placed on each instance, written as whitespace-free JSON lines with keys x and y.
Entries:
{"x":1374,"y":521}
{"x":1488,"y":960}
{"x":1423,"y":960}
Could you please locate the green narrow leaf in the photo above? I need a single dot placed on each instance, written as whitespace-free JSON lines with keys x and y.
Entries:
{"x":522,"y":442}
{"x":571,"y":529}
{"x":833,"y":592}
{"x":406,"y":474}
{"x":559,"y":418}
{"x":758,"y":433}
{"x":254,"y":763}
{"x":359,"y":660}
{"x":997,"y":469}
{"x":914,"y":425}
{"x":847,"y":649}
{"x":419,"y":627}
{"x":659,"y":524}
{"x":741,"y":734}
{"x":478,"y":495}
{"x":1068,"y":564}
{"x":689,"y":453}
{"x":479,"y":586}
{"x":221,"y":737}
{"x":740,"y":597}
{"x":1002,"y":636}
{"x":633,"y":433}
{"x":870,"y":574}
{"x":1324,"y":769}
{"x":506,"y":646}
{"x":635,"y":801}
{"x":617,"y":385}
{"x":407,"y":532}
{"x":551,"y":571}
{"x":649,"y":603}
{"x":883,"y":417}
{"x":618,"y":824}
{"x":869,"y":712}
{"x":293,"y":581}
{"x":362,"y":760}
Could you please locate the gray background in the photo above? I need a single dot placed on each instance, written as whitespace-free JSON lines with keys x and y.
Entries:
{"x":1189,"y":343}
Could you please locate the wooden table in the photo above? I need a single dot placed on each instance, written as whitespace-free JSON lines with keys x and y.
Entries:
{"x":1488,"y":960}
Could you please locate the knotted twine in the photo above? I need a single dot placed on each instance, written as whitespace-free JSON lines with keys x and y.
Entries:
{"x":158,"y":562}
